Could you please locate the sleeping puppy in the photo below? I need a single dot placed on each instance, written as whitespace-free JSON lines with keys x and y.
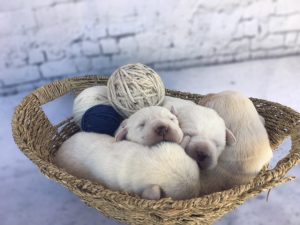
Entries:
{"x":240,"y":163}
{"x":163,"y":170}
{"x":205,"y":133}
{"x":149,"y":126}
{"x":88,"y":98}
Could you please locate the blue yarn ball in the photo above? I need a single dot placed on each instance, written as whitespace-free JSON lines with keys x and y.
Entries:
{"x":101,"y":119}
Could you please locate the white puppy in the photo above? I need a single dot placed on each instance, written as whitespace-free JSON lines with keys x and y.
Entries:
{"x":240,"y":163}
{"x":163,"y":170}
{"x":88,"y":98}
{"x":205,"y":132}
{"x":149,"y":126}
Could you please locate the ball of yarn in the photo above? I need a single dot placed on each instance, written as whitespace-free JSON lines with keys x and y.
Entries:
{"x":101,"y":119}
{"x":134,"y":86}
{"x":89,"y":97}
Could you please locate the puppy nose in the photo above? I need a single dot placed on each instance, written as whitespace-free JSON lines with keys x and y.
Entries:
{"x":161,"y":130}
{"x":204,"y":160}
{"x":202,"y":153}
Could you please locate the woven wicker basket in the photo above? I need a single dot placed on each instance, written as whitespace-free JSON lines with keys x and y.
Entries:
{"x":38,"y":139}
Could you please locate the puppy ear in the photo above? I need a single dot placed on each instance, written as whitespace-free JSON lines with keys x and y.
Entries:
{"x":230,"y":138}
{"x":121,"y":135}
{"x":205,"y":99}
{"x":152,"y":192}
{"x":122,"y":131}
{"x":173,"y":110}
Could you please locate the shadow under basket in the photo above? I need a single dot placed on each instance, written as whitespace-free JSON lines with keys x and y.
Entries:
{"x":38,"y":139}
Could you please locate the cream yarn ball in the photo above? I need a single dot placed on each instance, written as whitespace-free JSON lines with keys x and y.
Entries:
{"x":134,"y":86}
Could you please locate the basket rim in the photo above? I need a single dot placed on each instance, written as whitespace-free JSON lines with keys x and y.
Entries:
{"x":268,"y":179}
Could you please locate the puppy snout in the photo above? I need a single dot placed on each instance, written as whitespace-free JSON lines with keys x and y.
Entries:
{"x":204,"y":160}
{"x":161,"y":130}
{"x":203,"y":154}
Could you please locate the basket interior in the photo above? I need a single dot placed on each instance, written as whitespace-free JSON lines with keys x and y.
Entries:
{"x":40,"y":140}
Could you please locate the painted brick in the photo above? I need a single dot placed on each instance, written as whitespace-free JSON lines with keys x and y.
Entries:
{"x":128,"y":45}
{"x":259,"y":9}
{"x":63,"y":13}
{"x":16,"y":59}
{"x":83,"y":64}
{"x":247,"y":28}
{"x":58,"y":68}
{"x":36,"y":56}
{"x":74,"y":50}
{"x":124,"y":28}
{"x":21,"y":4}
{"x":60,"y":34}
{"x":291,"y":50}
{"x":12,"y":5}
{"x":250,"y":28}
{"x":95,"y":31}
{"x":239,"y":32}
{"x":109,"y":46}
{"x":82,"y":36}
{"x":122,"y":59}
{"x":77,"y":10}
{"x":282,"y":24}
{"x":12,"y":90}
{"x":177,"y":65}
{"x":239,"y":45}
{"x":20,"y":75}
{"x":287,"y":6}
{"x":271,"y":41}
{"x":290,"y":39}
{"x":242,"y":56}
{"x":100,"y":62}
{"x":54,"y":53}
{"x":16,"y":21}
{"x":275,"y":52}
{"x":89,"y":48}
{"x":226,"y":58}
{"x":209,"y":60}
{"x":43,"y":16}
{"x":17,"y":62}
{"x":25,"y":87}
{"x":258,"y":54}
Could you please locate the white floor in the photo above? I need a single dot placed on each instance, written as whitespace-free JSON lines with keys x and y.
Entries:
{"x":27,"y":197}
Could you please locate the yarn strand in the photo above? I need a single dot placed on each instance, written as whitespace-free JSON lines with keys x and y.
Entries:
{"x":134,"y":86}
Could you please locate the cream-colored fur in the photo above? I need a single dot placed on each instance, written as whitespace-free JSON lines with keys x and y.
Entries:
{"x":130,"y":167}
{"x":170,"y":102}
{"x":88,"y":98}
{"x":149,"y":126}
{"x":240,"y":163}
{"x":205,"y":128}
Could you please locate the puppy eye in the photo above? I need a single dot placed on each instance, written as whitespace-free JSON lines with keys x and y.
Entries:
{"x":217,"y":144}
{"x":173,"y":118}
{"x":142,"y":124}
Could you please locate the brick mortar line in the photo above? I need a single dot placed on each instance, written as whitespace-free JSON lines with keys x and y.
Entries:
{"x":13,"y":88}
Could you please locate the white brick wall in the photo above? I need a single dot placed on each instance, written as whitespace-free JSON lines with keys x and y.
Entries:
{"x":109,"y":46}
{"x":45,"y":40}
{"x":58,"y":68}
{"x":16,"y":22}
{"x":89,"y":48}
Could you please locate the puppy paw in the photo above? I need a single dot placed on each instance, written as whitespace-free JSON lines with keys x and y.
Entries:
{"x":152,"y":192}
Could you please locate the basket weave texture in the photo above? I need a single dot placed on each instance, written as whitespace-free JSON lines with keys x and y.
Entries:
{"x":38,"y":139}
